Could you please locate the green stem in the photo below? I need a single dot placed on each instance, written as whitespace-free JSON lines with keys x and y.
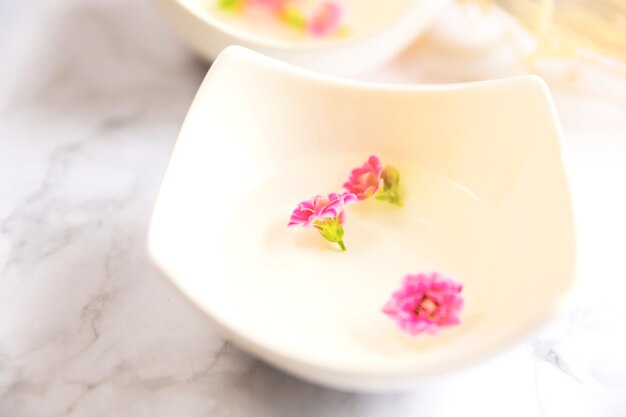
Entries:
{"x":342,"y":246}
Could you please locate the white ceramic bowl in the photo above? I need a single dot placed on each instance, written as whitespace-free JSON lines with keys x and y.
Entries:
{"x":486,"y":201}
{"x":385,"y":28}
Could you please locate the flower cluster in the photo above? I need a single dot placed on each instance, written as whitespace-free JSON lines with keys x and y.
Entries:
{"x":322,"y":19}
{"x":326,"y":213}
{"x":425,"y":303}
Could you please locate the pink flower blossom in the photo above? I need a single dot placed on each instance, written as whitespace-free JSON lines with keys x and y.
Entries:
{"x":326,"y":19}
{"x":365,"y":180}
{"x":320,"y":208}
{"x":325,"y":214}
{"x":425,"y":303}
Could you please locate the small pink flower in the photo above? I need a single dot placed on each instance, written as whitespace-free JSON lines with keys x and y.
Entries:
{"x":371,"y":180}
{"x":365,"y":180}
{"x":326,"y":19}
{"x":320,"y":208}
{"x":325,"y":213}
{"x":425,"y":303}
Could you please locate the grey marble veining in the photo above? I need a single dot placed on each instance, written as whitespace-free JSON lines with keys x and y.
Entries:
{"x":92,"y":94}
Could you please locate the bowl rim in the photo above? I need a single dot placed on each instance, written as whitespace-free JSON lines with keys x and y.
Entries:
{"x":207,"y":17}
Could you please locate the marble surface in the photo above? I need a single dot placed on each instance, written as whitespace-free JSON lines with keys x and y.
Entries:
{"x":92,"y":94}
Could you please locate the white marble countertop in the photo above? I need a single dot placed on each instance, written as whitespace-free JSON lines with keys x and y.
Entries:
{"x":92,"y":94}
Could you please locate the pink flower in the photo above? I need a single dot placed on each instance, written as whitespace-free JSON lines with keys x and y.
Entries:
{"x":425,"y":303}
{"x":320,"y":208}
{"x":325,"y":214}
{"x":326,"y":19}
{"x":365,"y":180}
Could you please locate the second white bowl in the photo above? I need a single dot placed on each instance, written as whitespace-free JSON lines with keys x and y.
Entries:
{"x":384,"y":29}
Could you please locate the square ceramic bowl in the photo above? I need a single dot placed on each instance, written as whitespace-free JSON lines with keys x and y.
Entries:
{"x":378,"y":31}
{"x":486,"y":201}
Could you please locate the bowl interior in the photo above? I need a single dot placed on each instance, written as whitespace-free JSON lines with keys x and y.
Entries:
{"x":486,"y":201}
{"x":362,"y":17}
